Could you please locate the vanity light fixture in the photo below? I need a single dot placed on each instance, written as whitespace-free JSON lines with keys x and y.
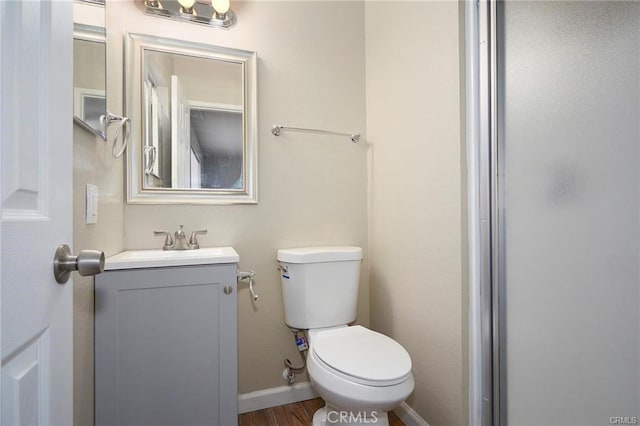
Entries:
{"x":216,"y":13}
{"x":186,"y":6}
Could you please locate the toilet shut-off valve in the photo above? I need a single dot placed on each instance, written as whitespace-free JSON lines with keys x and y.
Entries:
{"x":290,"y":371}
{"x":248,"y":276}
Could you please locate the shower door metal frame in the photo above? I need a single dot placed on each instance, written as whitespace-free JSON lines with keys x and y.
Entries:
{"x":496,"y":195}
{"x":483,"y":112}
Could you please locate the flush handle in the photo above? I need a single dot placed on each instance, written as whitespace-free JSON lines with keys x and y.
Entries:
{"x":87,"y":262}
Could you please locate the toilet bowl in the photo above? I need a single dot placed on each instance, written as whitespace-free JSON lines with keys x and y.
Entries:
{"x":361,"y":375}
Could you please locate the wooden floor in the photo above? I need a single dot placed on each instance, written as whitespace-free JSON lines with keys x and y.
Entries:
{"x":296,"y":414}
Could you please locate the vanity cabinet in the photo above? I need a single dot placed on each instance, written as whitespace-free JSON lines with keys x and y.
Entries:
{"x":166,"y":346}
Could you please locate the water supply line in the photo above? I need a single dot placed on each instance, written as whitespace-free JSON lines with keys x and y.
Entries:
{"x":289,"y":373}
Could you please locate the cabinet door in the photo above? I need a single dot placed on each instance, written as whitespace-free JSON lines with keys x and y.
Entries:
{"x":166,"y":346}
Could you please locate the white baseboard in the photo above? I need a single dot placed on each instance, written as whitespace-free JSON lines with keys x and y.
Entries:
{"x":273,"y":397}
{"x":408,"y":416}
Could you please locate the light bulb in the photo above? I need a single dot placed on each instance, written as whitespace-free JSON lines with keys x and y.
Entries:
{"x":186,"y":4}
{"x":220,"y":6}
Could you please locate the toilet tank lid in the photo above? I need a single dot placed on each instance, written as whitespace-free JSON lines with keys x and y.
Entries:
{"x":319,"y":254}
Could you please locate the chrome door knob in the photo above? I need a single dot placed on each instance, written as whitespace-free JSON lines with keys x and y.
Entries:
{"x":87,"y":262}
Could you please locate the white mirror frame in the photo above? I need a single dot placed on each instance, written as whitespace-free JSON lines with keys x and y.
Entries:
{"x":136,"y":194}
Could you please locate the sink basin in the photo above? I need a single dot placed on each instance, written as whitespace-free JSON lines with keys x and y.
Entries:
{"x":135,"y":259}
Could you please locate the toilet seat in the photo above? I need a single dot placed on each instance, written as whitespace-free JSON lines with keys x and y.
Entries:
{"x":362,"y":356}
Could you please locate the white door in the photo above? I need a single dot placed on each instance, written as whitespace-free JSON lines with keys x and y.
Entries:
{"x":36,"y":180}
{"x":180,"y":137}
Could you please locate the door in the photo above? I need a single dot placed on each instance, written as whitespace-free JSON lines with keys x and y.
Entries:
{"x":180,"y":137}
{"x":166,"y":346}
{"x":569,"y":160}
{"x":36,"y":180}
{"x":153,"y":157}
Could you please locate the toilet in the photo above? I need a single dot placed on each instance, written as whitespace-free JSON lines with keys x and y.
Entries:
{"x":359,"y":373}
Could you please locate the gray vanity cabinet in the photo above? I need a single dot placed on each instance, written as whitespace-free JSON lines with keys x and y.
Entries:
{"x":166,"y":346}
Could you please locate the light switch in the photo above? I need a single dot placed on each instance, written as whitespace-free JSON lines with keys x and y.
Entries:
{"x":92,"y":204}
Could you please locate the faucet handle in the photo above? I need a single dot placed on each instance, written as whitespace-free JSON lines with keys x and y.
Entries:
{"x":193,"y":240}
{"x":168,"y":241}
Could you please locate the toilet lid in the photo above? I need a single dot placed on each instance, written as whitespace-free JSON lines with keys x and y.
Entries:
{"x":359,"y":352}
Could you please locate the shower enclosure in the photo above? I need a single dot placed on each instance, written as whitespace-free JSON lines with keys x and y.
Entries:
{"x":554,"y":197}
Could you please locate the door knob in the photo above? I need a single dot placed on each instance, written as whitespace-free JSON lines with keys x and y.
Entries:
{"x":87,"y":262}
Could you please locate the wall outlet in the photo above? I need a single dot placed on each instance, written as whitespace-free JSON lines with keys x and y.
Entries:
{"x":92,"y":204}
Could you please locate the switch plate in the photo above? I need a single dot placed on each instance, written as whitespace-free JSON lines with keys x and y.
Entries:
{"x":92,"y":204}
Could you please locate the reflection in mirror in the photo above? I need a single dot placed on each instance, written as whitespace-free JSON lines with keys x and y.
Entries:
{"x":193,"y":132}
{"x":196,"y":122}
{"x":89,"y":77}
{"x":216,"y":145}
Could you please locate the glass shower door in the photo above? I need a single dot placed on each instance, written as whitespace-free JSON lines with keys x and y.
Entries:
{"x":569,"y":194}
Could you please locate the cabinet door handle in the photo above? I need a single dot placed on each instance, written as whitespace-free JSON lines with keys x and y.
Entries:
{"x":228,"y":289}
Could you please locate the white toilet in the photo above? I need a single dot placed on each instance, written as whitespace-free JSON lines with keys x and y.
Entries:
{"x":359,"y":373}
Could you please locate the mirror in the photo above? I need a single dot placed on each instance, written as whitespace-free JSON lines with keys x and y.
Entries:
{"x":89,"y":78}
{"x":193,"y":111}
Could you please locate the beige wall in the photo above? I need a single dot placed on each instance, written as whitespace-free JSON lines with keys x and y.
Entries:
{"x":312,"y":189}
{"x":93,"y":164}
{"x":415,"y":196}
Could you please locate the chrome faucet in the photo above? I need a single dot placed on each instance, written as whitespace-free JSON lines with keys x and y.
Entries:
{"x":179,"y":239}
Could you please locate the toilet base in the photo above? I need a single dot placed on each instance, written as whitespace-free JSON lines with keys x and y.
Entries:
{"x":328,"y":416}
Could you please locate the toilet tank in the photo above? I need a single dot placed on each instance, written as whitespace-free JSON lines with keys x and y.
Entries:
{"x":319,"y":285}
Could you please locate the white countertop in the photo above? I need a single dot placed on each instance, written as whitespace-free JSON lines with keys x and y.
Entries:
{"x":136,"y":259}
